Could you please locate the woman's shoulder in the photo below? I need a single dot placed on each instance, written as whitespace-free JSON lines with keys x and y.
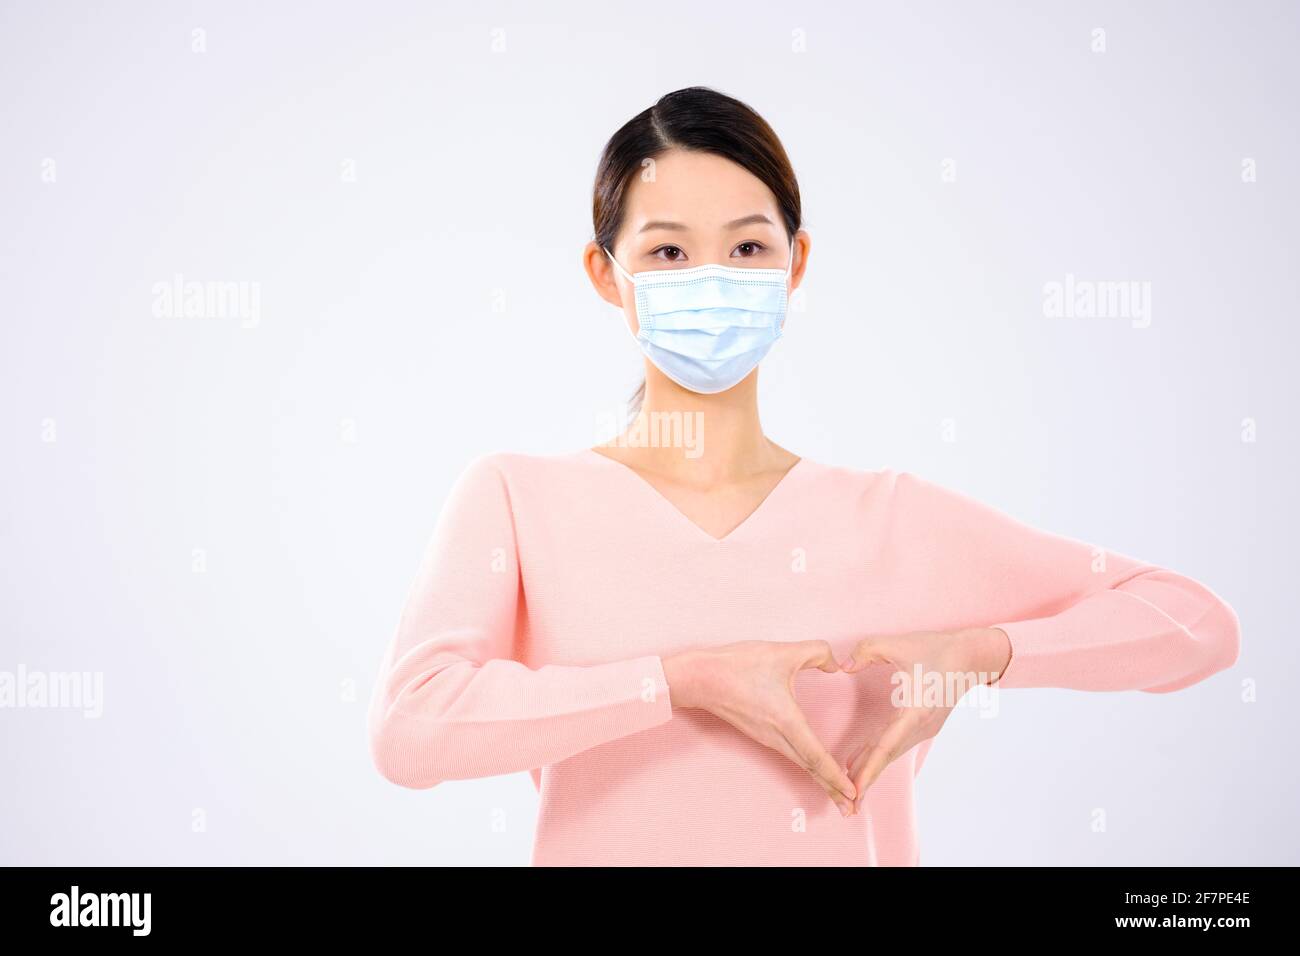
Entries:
{"x":901,"y":478}
{"x":517,"y":466}
{"x":855,"y":476}
{"x":901,"y":488}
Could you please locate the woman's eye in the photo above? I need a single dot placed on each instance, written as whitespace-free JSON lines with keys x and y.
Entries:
{"x":669,"y":253}
{"x":747,"y":249}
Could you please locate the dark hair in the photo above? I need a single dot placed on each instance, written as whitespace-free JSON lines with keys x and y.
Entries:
{"x":695,"y":118}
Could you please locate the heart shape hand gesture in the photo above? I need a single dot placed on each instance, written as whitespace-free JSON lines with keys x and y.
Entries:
{"x":750,"y":684}
{"x":933,"y":671}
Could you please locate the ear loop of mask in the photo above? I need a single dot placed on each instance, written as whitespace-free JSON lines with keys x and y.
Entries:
{"x":789,"y":266}
{"x":618,"y":266}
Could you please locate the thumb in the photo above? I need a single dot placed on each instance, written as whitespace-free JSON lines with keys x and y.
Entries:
{"x":817,"y":654}
{"x":866,"y":651}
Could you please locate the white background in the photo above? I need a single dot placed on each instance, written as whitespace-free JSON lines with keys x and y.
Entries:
{"x":434,"y":309}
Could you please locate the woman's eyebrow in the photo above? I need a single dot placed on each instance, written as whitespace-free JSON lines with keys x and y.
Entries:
{"x":749,"y":220}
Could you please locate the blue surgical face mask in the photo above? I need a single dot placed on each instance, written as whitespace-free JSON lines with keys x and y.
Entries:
{"x":707,"y":327}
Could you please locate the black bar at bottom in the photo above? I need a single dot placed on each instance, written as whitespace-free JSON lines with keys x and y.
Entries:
{"x":437,"y":905}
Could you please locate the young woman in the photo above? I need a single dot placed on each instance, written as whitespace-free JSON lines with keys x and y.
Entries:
{"x":694,"y":646}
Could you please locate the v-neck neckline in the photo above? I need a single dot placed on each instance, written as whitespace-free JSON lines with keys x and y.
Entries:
{"x":763,"y":506}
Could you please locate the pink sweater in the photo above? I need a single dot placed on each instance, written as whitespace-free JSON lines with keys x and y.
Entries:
{"x":533,"y":640}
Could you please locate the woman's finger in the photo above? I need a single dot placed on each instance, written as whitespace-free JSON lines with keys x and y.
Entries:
{"x":817,"y":654}
{"x":872,"y":760}
{"x":813,"y":757}
{"x":869,"y":650}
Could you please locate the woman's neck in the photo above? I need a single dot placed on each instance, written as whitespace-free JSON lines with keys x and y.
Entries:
{"x":703,"y":440}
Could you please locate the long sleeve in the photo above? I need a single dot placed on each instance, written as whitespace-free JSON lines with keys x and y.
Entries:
{"x":452,"y":700}
{"x":1078,"y":616}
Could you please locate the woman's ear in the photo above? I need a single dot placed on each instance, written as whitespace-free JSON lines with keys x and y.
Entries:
{"x":799,"y":249}
{"x":604,"y":277}
{"x":802,"y":244}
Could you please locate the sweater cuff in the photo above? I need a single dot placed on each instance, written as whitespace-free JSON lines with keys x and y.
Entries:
{"x":1107,"y":641}
{"x":1029,"y":642}
{"x":649,"y":688}
{"x":608,"y":700}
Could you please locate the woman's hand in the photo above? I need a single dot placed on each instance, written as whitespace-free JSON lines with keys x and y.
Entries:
{"x":955,"y":661}
{"x":750,"y":685}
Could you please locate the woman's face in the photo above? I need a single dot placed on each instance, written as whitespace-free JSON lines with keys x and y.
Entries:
{"x":687,"y":209}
